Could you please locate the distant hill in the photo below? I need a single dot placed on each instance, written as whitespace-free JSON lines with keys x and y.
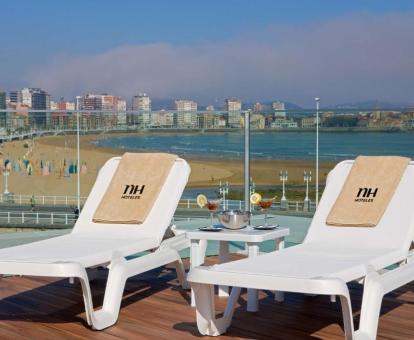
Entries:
{"x":162,"y":104}
{"x":372,"y":105}
{"x":169,"y":104}
{"x":267,"y":105}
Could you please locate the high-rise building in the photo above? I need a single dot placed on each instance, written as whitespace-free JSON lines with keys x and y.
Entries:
{"x":121,"y":104}
{"x":186,"y":105}
{"x":15,"y":97}
{"x":2,"y":100}
{"x":3,"y":115}
{"x":90,"y":102}
{"x":257,"y":108}
{"x":64,"y":117}
{"x":186,"y":115}
{"x":26,"y":96}
{"x":108,"y":102}
{"x":121,"y":108}
{"x":65,"y":105}
{"x":78,"y":102}
{"x":54,"y":105}
{"x":39,"y":100}
{"x":208,"y":120}
{"x":233,"y":107}
{"x":163,"y":119}
{"x":141,"y":103}
{"x":279,"y":109}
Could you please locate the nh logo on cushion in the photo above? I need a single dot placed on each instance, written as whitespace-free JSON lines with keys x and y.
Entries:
{"x":132,"y":191}
{"x":366,"y":195}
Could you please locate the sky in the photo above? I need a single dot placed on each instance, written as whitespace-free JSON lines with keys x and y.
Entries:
{"x":341,"y":51}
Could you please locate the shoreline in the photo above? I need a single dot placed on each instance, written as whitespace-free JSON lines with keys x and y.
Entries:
{"x":206,"y":172}
{"x":260,"y":167}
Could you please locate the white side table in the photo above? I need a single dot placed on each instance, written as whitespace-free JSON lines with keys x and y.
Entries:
{"x":250,"y":236}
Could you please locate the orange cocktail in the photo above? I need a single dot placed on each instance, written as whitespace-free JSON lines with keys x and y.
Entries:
{"x":212,"y":206}
{"x":265,"y":204}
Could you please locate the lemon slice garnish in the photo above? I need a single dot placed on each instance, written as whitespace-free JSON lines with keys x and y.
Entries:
{"x":201,"y":200}
{"x":255,"y":198}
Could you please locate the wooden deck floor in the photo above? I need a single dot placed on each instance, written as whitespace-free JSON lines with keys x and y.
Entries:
{"x":154,"y":307}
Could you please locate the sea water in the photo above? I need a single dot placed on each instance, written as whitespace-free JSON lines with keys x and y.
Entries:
{"x":270,"y":145}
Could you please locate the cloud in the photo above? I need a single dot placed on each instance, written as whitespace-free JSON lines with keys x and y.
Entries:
{"x":351,"y":58}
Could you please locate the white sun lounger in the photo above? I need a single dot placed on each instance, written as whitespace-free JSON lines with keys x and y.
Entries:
{"x":328,"y":258}
{"x":91,"y":245}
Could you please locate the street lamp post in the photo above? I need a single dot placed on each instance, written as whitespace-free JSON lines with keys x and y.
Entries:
{"x":6,"y":174}
{"x":317,"y":153}
{"x":78,"y":155}
{"x":283,"y":178}
{"x":223,"y":191}
{"x":307,"y":177}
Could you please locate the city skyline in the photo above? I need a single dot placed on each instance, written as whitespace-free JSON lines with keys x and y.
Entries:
{"x":343,"y":52}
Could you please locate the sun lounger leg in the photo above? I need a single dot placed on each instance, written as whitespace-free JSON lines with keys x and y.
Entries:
{"x":179,"y":268}
{"x":252,"y":294}
{"x":371,"y":306}
{"x":376,"y":286}
{"x":280,"y":244}
{"x":223,"y":291}
{"x":80,"y":274}
{"x":347,"y":317}
{"x":119,"y":271}
{"x":205,"y":309}
{"x":198,"y":251}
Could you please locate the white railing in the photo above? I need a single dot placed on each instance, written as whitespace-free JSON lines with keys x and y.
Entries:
{"x":184,"y":203}
{"x":42,"y":199}
{"x":236,"y":204}
{"x":36,"y":218}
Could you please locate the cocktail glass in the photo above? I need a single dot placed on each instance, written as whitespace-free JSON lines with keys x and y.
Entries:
{"x":265,"y":204}
{"x":212,"y":206}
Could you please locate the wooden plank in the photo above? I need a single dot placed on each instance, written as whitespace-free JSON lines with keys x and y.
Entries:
{"x":154,"y":306}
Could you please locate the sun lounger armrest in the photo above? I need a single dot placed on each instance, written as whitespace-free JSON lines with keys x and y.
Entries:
{"x":178,"y":242}
{"x":56,"y":269}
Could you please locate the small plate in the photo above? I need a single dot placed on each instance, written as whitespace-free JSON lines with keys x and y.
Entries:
{"x":210,"y":228}
{"x":268,"y":227}
{"x":245,"y":226}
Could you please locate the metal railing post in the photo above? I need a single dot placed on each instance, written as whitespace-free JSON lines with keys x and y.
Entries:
{"x":37,"y":218}
{"x":8,"y":217}
{"x":246,"y":159}
{"x":51,"y":218}
{"x":22,"y":217}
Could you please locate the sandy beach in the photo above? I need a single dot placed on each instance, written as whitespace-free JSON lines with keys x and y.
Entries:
{"x":56,"y":149}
